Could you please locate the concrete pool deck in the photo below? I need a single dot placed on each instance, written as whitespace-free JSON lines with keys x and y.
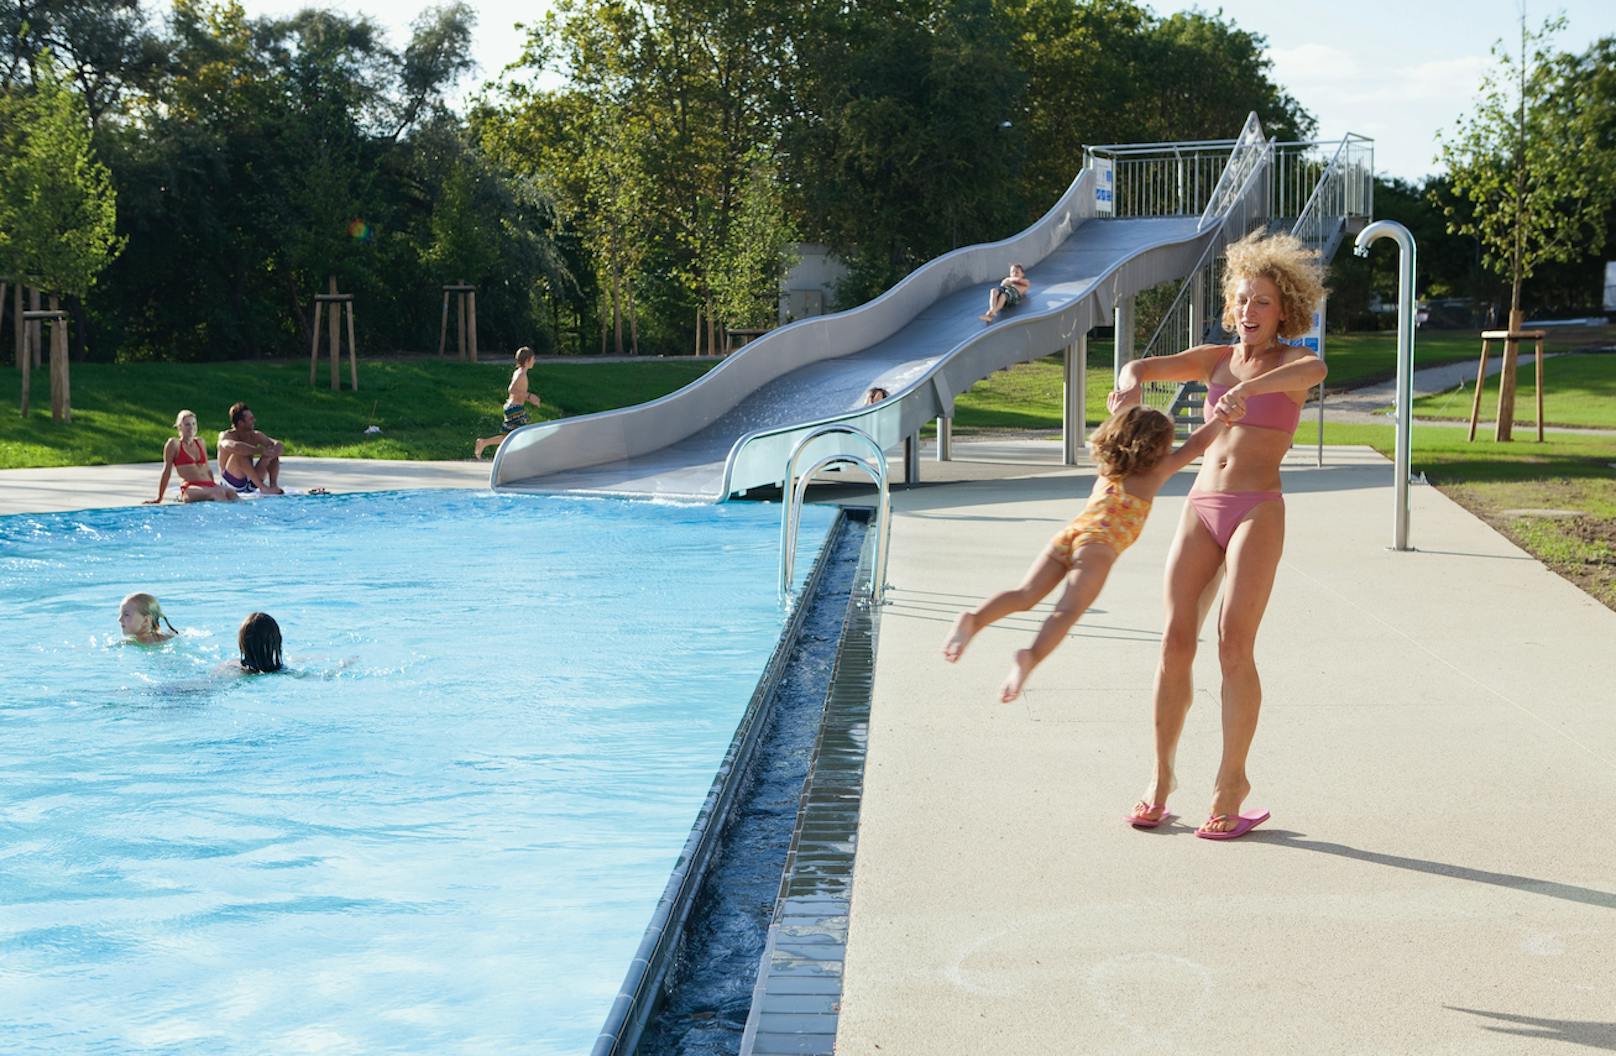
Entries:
{"x":1438,"y":749}
{"x":96,"y":487}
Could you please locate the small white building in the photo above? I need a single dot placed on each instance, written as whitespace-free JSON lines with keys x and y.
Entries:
{"x":809,"y":288}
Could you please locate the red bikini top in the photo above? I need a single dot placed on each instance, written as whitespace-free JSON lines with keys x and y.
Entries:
{"x":183,"y":457}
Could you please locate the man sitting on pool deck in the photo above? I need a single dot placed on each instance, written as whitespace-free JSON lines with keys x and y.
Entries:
{"x":248,"y":460}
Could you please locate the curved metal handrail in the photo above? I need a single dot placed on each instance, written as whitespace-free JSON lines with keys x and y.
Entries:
{"x":1250,"y":143}
{"x":796,"y":487}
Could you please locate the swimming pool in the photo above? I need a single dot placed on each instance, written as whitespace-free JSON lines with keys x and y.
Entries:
{"x":445,"y":830}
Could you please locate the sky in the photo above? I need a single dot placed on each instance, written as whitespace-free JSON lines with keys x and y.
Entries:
{"x":1397,"y":71}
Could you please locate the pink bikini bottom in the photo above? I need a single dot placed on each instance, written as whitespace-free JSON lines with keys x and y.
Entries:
{"x":1222,"y":511}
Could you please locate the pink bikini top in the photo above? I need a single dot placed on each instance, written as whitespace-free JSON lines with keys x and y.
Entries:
{"x":1271,"y":410}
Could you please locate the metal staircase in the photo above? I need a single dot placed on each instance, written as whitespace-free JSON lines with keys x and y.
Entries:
{"x":1320,"y":191}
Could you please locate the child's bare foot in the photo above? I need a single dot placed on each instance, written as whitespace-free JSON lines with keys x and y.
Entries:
{"x":270,"y":489}
{"x":986,"y":317}
{"x":1226,"y":801}
{"x":964,"y":630}
{"x":480,"y":445}
{"x":1018,"y":675}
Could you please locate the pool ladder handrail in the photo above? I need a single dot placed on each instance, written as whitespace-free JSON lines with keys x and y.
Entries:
{"x":795,"y":487}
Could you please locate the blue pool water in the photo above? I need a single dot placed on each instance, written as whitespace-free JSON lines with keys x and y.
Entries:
{"x":444,"y":831}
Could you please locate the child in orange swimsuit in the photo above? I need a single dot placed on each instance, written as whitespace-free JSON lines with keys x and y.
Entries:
{"x":1135,"y":454}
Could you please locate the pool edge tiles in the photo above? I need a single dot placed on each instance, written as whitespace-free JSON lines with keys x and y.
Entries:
{"x":796,"y":1001}
{"x":637,"y":999}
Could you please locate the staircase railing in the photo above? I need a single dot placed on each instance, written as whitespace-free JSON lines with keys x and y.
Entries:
{"x":1342,"y":189}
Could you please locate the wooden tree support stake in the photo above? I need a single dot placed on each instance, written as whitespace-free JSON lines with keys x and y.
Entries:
{"x":465,"y":297}
{"x":61,"y":401}
{"x":1504,"y":428}
{"x":334,"y":305}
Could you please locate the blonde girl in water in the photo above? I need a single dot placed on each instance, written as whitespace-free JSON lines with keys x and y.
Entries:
{"x":1134,"y":451}
{"x":139,"y":616}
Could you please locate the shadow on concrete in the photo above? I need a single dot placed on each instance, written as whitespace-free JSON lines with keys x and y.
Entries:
{"x":1590,"y":1033}
{"x":1569,"y":892}
{"x":1463,"y":553}
{"x":934,"y":496}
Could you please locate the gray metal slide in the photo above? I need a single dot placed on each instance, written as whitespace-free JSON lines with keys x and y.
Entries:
{"x":734,"y":428}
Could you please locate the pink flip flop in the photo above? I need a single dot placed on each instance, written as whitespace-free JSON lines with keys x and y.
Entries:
{"x":1247,"y":821}
{"x":1139,"y":821}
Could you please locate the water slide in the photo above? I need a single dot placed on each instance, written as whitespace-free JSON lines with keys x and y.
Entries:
{"x":734,"y":428}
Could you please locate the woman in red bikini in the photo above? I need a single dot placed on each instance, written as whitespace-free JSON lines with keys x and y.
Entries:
{"x":1235,"y":518}
{"x":187,"y":455}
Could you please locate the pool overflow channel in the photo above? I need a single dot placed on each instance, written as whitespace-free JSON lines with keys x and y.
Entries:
{"x":744,"y":951}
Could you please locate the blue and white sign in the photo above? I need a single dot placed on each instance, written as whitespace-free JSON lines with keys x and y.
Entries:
{"x":1104,"y":190}
{"x":1313,"y":340}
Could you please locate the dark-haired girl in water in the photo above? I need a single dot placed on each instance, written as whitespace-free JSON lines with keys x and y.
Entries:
{"x":260,"y":643}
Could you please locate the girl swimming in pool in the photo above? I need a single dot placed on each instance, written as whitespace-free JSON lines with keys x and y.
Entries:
{"x":1135,"y":454}
{"x":259,"y":640}
{"x":139,"y":616}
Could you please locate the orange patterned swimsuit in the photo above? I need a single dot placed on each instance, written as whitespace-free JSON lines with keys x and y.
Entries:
{"x":1112,"y":517}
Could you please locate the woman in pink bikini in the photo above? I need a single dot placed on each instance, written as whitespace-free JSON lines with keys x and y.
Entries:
{"x":187,"y":455}
{"x":1235,"y":517}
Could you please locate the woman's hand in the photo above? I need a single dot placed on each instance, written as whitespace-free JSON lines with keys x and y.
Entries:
{"x":1128,"y":392}
{"x":1231,"y":407}
{"x":1118,"y":399}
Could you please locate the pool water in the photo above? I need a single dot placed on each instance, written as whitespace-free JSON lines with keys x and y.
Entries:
{"x":444,"y":829}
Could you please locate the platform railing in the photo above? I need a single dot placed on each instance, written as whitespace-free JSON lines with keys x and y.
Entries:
{"x":796,"y":487}
{"x":1340,"y":187}
{"x":1187,"y":178}
{"x":1343,"y":190}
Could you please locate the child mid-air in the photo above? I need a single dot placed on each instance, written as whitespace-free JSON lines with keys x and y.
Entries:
{"x":1134,"y":451}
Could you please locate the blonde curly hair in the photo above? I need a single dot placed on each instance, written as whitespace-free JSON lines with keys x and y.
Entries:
{"x":1286,"y":262}
{"x":1131,"y":441}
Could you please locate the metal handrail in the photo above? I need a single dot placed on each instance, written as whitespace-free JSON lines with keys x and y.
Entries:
{"x":1249,"y":144}
{"x":1206,"y":263}
{"x":1331,"y":184}
{"x":795,"y":487}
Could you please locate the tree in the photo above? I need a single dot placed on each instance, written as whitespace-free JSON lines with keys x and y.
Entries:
{"x":1531,"y":172}
{"x":757,"y":253}
{"x":58,"y":210}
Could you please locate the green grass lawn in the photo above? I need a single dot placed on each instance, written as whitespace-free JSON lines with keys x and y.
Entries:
{"x":1577,"y":391}
{"x":427,"y":409}
{"x":1497,"y":481}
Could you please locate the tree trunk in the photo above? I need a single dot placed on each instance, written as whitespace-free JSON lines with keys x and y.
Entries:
{"x":36,"y":335}
{"x":617,"y":309}
{"x":633,"y":321}
{"x":712,"y":329}
{"x":698,"y":329}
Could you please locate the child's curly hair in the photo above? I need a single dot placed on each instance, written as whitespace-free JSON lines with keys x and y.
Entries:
{"x":1286,"y":262}
{"x":1131,"y":441}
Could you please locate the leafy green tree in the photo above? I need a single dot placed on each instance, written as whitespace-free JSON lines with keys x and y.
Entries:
{"x":900,"y":137}
{"x":1532,"y":169}
{"x":58,"y":209}
{"x":757,"y":253}
{"x":106,"y":49}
